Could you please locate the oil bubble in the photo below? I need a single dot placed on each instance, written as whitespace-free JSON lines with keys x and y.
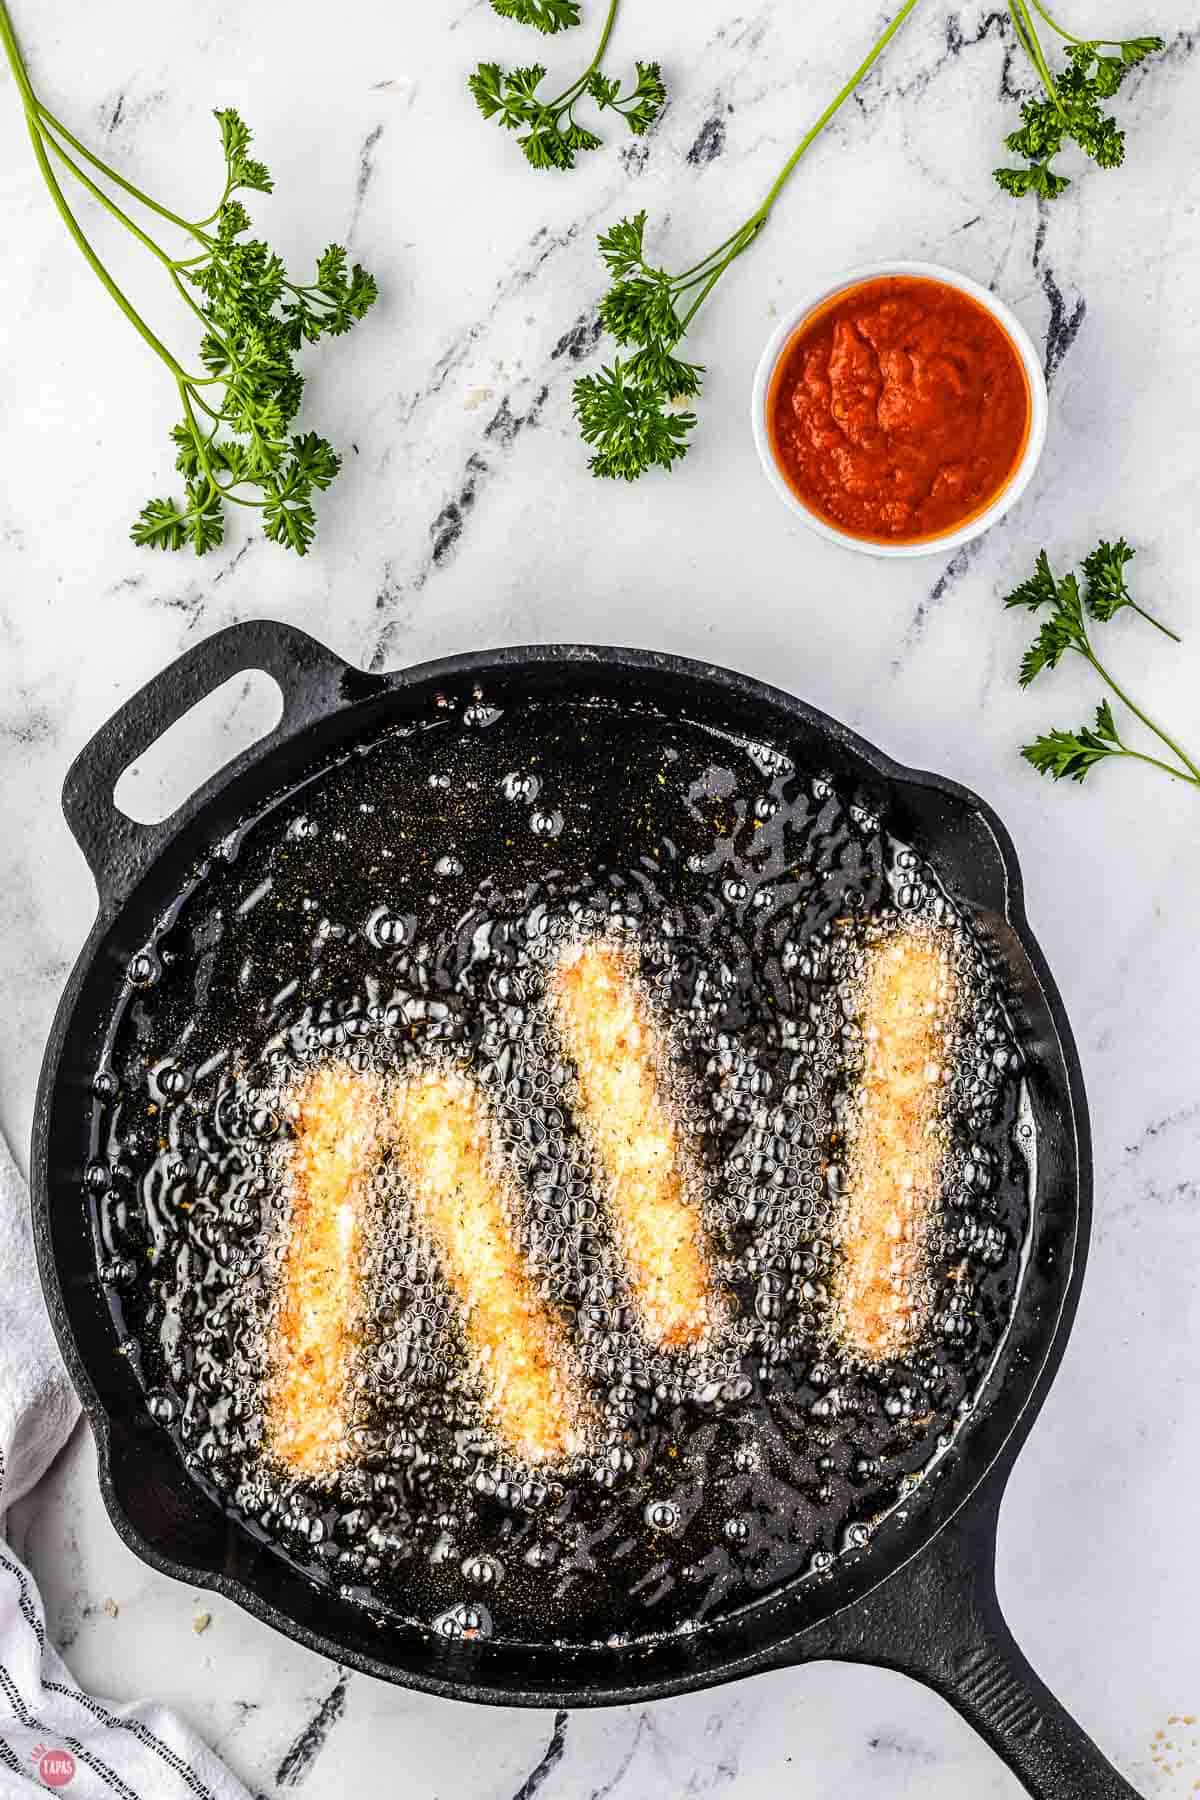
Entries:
{"x":521,"y":787}
{"x":386,"y":928}
{"x":483,"y":1571}
{"x":145,"y":967}
{"x":172,"y":1081}
{"x":468,"y":1620}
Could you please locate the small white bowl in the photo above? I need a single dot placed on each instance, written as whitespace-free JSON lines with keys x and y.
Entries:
{"x":1038,"y":403}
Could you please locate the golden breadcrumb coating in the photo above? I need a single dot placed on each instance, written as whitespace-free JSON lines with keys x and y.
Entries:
{"x":316,"y":1327}
{"x":896,"y":1145}
{"x":444,"y":1143}
{"x":608,"y":1031}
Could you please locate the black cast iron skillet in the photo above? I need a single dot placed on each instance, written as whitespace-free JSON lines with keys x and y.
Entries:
{"x":921,"y":1599}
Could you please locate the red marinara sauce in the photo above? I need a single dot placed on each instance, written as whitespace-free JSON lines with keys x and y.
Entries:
{"x":899,"y":410}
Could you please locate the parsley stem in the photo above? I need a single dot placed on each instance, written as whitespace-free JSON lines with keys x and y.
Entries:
{"x":746,"y":233}
{"x":16,"y":61}
{"x":609,"y":22}
{"x":1063,"y":32}
{"x":257,"y":390}
{"x":1157,"y":623}
{"x":741,"y":242}
{"x":197,"y":228}
{"x":1147,"y":721}
{"x":111,"y":206}
{"x":201,"y":442}
{"x":98,"y":269}
{"x":164,"y":212}
{"x":1022,"y":33}
{"x":37,"y":137}
{"x":700,"y":267}
{"x":207,"y":323}
{"x":625,"y":411}
{"x":201,"y":401}
{"x":1027,"y":32}
{"x":106,"y":202}
{"x":570,"y":94}
{"x":1156,"y":763}
{"x":834,"y":106}
{"x":706,"y":290}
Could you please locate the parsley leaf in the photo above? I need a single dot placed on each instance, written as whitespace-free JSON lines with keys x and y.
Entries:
{"x":1061,"y":632}
{"x":1073,"y":755}
{"x":1040,"y":589}
{"x":627,"y":418}
{"x":1064,"y":630}
{"x":630,"y":412}
{"x":1105,"y":572}
{"x":288,"y":514}
{"x":1063,"y":754}
{"x":1070,"y":109}
{"x":622,"y":246}
{"x":1135,"y":50}
{"x":165,"y":525}
{"x":161,"y":525}
{"x":642,"y":107}
{"x":1106,"y":592}
{"x":544,"y":15}
{"x":1037,"y":179}
{"x":552,"y":135}
{"x":641,"y":310}
{"x":234,"y":444}
{"x":244,"y":171}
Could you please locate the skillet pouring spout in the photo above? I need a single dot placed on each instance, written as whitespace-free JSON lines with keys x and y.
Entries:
{"x":921,"y":1597}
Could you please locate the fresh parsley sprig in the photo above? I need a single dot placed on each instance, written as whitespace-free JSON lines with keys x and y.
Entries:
{"x":1072,"y":755}
{"x":553,"y":136}
{"x":547,"y":16}
{"x":1071,"y":109}
{"x":633,"y":413}
{"x":235,"y":444}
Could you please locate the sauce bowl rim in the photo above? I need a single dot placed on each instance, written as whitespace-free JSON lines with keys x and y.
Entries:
{"x":1039,"y":407}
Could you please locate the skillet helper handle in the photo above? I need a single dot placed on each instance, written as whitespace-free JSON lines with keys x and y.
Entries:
{"x":313,"y":682}
{"x":939,"y":1621}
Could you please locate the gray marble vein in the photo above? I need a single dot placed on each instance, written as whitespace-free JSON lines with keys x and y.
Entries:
{"x":548,"y":1761}
{"x":300,"y":1759}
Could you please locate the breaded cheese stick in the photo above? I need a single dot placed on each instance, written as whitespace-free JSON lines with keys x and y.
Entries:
{"x":607,"y":1030}
{"x":445,"y":1149}
{"x":896,"y":1144}
{"x":317,"y":1322}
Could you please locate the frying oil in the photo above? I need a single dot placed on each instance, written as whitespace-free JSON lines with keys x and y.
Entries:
{"x":409,"y":904}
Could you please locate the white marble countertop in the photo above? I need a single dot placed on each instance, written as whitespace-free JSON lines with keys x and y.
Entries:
{"x":466,"y":518}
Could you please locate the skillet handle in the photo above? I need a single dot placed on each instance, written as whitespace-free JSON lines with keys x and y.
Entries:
{"x":939,"y":1621}
{"x":314,"y":682}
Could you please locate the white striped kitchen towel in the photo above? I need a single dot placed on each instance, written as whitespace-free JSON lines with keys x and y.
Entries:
{"x":52,"y":1735}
